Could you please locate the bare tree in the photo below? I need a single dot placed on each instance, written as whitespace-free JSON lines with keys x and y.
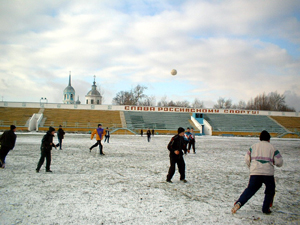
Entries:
{"x":101,"y":91}
{"x":163,"y":102}
{"x":184,"y":103}
{"x":222,"y":103}
{"x":276,"y":101}
{"x":132,"y":97}
{"x":138,"y":94}
{"x":197,"y":103}
{"x":171,"y":103}
{"x":273,"y":101}
{"x":241,"y":105}
{"x":123,"y":98}
{"x":148,"y":101}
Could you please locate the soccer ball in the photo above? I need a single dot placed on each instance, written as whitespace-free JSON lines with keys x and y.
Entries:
{"x":173,"y":72}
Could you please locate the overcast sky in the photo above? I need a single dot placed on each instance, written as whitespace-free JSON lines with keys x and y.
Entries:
{"x":232,"y":49}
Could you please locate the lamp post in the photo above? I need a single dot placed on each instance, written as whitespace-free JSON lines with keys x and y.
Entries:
{"x":43,"y":100}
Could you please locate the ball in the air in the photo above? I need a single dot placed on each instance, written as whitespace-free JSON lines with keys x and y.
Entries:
{"x":173,"y":72}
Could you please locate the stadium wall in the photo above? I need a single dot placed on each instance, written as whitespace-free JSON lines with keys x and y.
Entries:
{"x":146,"y":109}
{"x":41,"y":106}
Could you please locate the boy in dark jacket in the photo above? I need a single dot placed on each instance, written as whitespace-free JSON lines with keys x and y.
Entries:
{"x":60,"y":136}
{"x":176,"y":145}
{"x":107,"y":135}
{"x":148,"y":135}
{"x":7,"y":140}
{"x":46,"y":147}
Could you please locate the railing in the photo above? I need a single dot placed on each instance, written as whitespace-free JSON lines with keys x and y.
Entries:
{"x":14,"y":122}
{"x":66,"y":124}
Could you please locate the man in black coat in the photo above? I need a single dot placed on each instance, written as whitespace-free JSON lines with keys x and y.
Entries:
{"x":46,"y":147}
{"x":60,"y":137}
{"x":176,"y":145}
{"x":7,"y":140}
{"x":148,"y":135}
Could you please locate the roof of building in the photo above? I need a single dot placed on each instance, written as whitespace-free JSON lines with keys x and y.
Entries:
{"x":93,"y":91}
{"x":69,"y":88}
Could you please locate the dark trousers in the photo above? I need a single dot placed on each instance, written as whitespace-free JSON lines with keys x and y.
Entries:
{"x":255,"y":183}
{"x":176,"y":159}
{"x":192,"y":144}
{"x":3,"y":153}
{"x":59,"y":143}
{"x":106,"y":138}
{"x":149,"y":138}
{"x":47,"y":155}
{"x":100,"y":146}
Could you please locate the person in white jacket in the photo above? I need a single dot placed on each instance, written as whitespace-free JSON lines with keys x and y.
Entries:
{"x":261,"y":158}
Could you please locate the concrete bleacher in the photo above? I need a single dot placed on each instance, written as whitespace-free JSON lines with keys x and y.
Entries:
{"x":16,"y":116}
{"x":156,"y":120}
{"x":129,"y":122}
{"x":78,"y":118}
{"x":290,"y":123}
{"x":242,"y":123}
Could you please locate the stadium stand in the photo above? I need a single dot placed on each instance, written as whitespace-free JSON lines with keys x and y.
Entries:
{"x":290,"y":123}
{"x":131,"y":122}
{"x":242,"y":123}
{"x":156,"y":120}
{"x":16,"y":116}
{"x":79,"y":118}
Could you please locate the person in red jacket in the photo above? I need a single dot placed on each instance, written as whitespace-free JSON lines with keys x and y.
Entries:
{"x":100,"y":133}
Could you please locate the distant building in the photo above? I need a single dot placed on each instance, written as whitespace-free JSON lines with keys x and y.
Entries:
{"x":69,"y":93}
{"x":93,"y":97}
{"x":78,"y":102}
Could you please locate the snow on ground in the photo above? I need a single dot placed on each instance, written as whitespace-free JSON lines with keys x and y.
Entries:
{"x":127,"y":185}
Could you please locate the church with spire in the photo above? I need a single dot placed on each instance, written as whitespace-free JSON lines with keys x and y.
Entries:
{"x":69,"y":93}
{"x":93,"y":97}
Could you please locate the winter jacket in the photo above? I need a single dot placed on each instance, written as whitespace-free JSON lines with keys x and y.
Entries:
{"x":46,"y":141}
{"x":188,"y":136}
{"x":262,"y":157}
{"x":100,"y":133}
{"x":60,"y":133}
{"x":8,"y":139}
{"x":178,"y":144}
{"x":148,"y":133}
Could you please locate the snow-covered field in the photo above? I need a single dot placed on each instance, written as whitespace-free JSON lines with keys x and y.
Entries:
{"x":127,"y":185}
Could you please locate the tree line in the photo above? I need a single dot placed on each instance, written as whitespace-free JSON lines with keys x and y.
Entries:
{"x":271,"y":102}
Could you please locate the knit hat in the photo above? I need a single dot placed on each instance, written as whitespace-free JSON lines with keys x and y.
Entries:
{"x":12,"y":127}
{"x":51,"y":129}
{"x":180,"y":130}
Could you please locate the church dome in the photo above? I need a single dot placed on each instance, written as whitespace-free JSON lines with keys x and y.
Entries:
{"x":69,"y":93}
{"x":93,"y":92}
{"x":69,"y":89}
{"x":93,"y":97}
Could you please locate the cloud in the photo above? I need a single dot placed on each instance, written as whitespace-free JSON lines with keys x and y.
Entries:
{"x":292,"y":99}
{"x":233,"y":49}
